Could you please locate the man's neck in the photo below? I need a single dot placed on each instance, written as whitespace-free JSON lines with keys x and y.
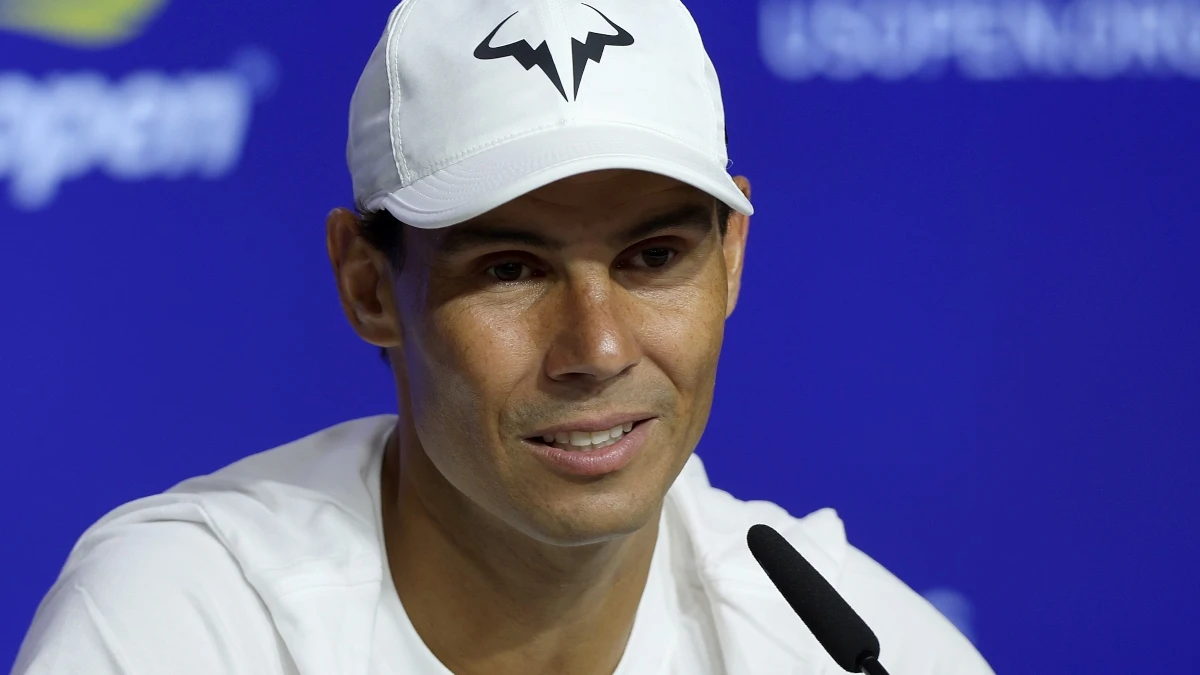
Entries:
{"x":486,"y":598}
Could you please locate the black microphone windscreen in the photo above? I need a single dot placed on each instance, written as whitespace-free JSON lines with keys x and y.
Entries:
{"x":832,"y":621}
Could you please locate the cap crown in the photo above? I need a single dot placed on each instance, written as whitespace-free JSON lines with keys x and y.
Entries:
{"x":451,"y":78}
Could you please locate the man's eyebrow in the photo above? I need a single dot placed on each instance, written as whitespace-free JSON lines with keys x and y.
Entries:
{"x":464,"y":237}
{"x":691,"y":217}
{"x":470,"y":235}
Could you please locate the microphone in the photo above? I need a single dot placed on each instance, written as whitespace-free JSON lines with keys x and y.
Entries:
{"x":832,"y":621}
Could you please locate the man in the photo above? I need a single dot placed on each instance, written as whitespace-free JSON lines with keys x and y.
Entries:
{"x":547,"y":250}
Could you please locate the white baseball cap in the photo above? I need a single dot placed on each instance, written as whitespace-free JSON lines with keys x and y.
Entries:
{"x":468,"y":104}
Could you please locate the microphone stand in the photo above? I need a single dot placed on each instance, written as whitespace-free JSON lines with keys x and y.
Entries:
{"x":871,"y":666}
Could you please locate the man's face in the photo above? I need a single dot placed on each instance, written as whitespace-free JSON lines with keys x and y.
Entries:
{"x":604,"y":293}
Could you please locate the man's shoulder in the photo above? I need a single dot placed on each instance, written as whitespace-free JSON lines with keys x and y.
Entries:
{"x":323,"y":460}
{"x":307,"y":500}
{"x":753,"y":617}
{"x":143,"y":560}
{"x":217,"y":559}
{"x":298,"y":501}
{"x":716,"y":523}
{"x":144,"y":596}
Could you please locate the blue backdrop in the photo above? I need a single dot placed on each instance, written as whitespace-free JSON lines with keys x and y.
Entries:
{"x":970,"y":317}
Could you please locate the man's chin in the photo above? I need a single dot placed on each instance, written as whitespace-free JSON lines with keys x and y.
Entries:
{"x":583,"y":526}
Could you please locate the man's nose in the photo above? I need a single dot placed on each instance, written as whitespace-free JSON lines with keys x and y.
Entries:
{"x":593,"y":337}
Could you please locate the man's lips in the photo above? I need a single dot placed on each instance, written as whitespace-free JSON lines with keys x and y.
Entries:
{"x":593,"y":424}
{"x":592,"y":461}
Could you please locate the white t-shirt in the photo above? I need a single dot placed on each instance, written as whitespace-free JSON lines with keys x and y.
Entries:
{"x":274,"y":565}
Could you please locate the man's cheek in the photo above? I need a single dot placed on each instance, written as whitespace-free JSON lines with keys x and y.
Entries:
{"x":694,"y":350}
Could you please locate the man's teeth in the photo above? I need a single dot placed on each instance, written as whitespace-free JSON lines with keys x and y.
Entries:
{"x":588,"y":440}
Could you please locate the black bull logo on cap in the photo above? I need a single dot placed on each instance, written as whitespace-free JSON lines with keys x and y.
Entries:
{"x":591,"y":49}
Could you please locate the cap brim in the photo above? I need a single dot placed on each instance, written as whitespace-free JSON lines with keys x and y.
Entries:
{"x":500,"y":174}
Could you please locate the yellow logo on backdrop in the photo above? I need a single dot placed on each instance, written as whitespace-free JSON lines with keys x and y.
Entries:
{"x":84,"y":23}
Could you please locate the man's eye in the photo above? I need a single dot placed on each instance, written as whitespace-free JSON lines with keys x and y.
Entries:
{"x":509,"y":271}
{"x":657,"y":256}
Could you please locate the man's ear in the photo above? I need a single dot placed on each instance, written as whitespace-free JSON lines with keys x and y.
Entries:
{"x":736,"y":232}
{"x":364,"y":280}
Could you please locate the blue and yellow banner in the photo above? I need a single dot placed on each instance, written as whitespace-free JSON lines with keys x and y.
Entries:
{"x":83,"y":23}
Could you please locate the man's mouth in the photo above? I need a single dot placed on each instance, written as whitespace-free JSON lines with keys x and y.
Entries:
{"x":585,"y":441}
